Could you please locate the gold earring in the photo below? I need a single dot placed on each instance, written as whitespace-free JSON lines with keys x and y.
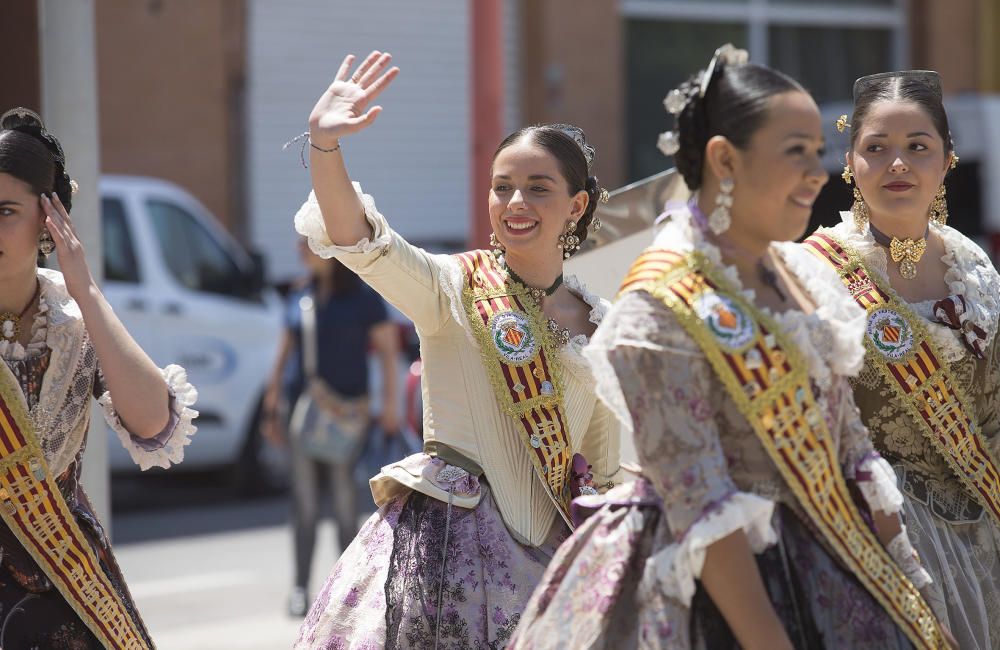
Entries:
{"x":954,"y":160}
{"x":847,"y":175}
{"x":495,"y":244}
{"x":860,"y":210}
{"x":568,"y":241}
{"x":45,"y":243}
{"x":939,"y":208}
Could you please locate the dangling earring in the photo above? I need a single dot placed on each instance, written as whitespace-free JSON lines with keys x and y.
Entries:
{"x":720,"y":219}
{"x":45,"y":243}
{"x":495,"y":244}
{"x":568,"y":241}
{"x":859,"y":209}
{"x":939,"y":208}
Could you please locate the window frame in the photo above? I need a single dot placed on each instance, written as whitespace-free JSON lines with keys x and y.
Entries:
{"x":760,"y":15}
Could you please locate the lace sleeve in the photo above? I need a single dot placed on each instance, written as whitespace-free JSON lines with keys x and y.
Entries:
{"x":673,"y":401}
{"x":167,"y":447}
{"x":414,"y":281}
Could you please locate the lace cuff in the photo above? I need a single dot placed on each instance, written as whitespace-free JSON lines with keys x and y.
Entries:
{"x":909,"y":562}
{"x":877,"y":482}
{"x":309,"y":223}
{"x":676,"y":567}
{"x":166,"y":447}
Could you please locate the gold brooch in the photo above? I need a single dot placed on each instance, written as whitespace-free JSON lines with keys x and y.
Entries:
{"x":907,"y":252}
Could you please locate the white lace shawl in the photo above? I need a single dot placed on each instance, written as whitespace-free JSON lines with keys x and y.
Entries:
{"x":61,"y":416}
{"x":969,"y":272}
{"x":830,"y":337}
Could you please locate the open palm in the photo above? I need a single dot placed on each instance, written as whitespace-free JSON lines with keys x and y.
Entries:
{"x":345,"y":107}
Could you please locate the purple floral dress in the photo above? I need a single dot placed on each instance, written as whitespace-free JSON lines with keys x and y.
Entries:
{"x":628,"y":577}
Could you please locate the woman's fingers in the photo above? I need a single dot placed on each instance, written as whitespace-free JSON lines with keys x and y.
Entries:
{"x":63,"y":213}
{"x":375,"y":70}
{"x":381,"y":83}
{"x":364,"y":120}
{"x":345,"y":66}
{"x":365,"y":66}
{"x":57,"y":236}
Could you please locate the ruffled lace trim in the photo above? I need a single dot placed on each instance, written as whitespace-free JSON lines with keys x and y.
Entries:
{"x":676,"y":567}
{"x":837,"y":318}
{"x":309,"y":223}
{"x":168,"y":447}
{"x":877,"y":482}
{"x":969,"y":272}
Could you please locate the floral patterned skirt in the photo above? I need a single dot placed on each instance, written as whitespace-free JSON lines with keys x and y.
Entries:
{"x":599,"y":593}
{"x":386,"y":591}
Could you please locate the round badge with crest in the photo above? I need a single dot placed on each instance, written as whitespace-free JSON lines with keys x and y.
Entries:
{"x":512,"y":336}
{"x":889,"y":332}
{"x":731,"y":326}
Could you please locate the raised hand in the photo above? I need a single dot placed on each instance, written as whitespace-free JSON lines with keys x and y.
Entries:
{"x":345,"y":107}
{"x":72,"y":258}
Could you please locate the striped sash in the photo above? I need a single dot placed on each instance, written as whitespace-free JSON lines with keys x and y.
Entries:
{"x":522,"y":363}
{"x":900,"y":347}
{"x":768,"y":379}
{"x":36,"y":512}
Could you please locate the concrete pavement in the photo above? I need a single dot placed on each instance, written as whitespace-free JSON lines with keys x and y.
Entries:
{"x":215,"y":576}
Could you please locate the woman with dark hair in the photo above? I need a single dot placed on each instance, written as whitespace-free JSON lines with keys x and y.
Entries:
{"x":345,"y":319}
{"x":930,"y":388}
{"x":511,"y":420}
{"x":727,"y":355}
{"x":61,"y":343}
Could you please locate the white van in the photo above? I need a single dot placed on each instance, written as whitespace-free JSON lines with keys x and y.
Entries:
{"x":191,"y":294}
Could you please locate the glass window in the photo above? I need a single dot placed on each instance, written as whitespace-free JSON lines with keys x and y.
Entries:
{"x":839,"y":3}
{"x":798,"y":51}
{"x":193,"y":255}
{"x":660,"y":55}
{"x":119,"y":253}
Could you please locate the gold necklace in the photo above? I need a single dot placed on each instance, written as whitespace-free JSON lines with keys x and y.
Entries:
{"x":905,"y":252}
{"x":10,"y":323}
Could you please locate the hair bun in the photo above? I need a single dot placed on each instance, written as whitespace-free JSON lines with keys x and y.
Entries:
{"x":19,"y":118}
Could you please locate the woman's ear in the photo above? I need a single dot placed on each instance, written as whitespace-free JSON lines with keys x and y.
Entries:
{"x":720,"y":155}
{"x":578,"y":205}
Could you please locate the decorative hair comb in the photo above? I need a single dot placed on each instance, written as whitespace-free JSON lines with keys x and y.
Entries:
{"x":678,"y":98}
{"x":576,"y":133}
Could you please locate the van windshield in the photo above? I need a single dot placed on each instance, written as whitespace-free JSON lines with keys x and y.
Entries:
{"x":195,"y":258}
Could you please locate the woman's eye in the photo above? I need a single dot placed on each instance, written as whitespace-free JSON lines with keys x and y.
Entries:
{"x":917,"y":146}
{"x":797,"y":150}
{"x":873,"y":148}
{"x":821,"y":152}
{"x":539,"y":188}
{"x":501,"y":188}
{"x":6,"y":212}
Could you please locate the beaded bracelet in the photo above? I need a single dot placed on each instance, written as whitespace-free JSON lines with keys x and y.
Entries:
{"x":304,"y":137}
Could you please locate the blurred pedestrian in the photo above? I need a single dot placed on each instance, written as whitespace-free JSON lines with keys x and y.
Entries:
{"x":61,"y":343}
{"x":466,"y":528}
{"x":317,"y":400}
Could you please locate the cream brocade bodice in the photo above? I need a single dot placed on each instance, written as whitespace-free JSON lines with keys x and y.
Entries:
{"x":460,"y":409}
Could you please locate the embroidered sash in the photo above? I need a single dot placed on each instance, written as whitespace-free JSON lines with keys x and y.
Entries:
{"x":900,"y":347}
{"x":768,"y":379}
{"x":521,"y":361}
{"x":36,"y":512}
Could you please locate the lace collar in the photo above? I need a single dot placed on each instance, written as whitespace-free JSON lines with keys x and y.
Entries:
{"x":969,"y":273}
{"x":831,"y":336}
{"x":57,"y":311}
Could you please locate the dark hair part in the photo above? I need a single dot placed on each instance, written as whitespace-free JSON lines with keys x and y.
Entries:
{"x":554,"y":139}
{"x":33,"y":155}
{"x":734,"y":106}
{"x":902,"y":88}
